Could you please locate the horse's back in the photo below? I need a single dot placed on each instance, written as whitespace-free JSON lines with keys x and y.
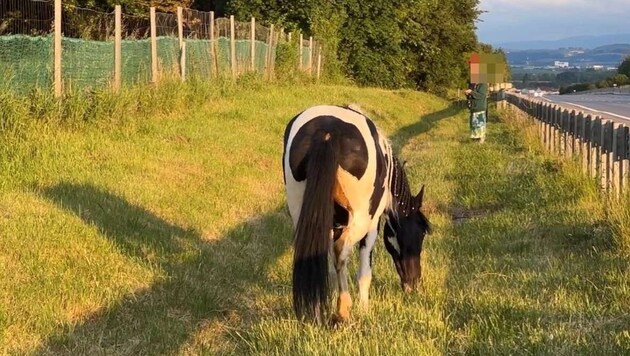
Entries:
{"x":362,"y":162}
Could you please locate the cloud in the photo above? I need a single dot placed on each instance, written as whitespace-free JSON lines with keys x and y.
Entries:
{"x":512,"y":20}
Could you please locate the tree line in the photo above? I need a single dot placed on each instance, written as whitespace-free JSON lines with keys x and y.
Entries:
{"x":620,"y":78}
{"x":422,"y":44}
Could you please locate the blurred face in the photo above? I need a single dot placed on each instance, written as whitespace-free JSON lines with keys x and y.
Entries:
{"x":403,"y":240}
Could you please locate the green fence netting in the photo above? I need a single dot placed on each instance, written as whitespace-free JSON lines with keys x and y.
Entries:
{"x":306,"y":54}
{"x":27,"y":61}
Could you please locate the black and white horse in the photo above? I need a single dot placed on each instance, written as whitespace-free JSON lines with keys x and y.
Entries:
{"x":340,"y":177}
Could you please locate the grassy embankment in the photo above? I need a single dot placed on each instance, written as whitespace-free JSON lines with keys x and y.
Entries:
{"x":155,"y":223}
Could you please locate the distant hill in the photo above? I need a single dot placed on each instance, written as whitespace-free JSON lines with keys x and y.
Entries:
{"x":607,"y":55}
{"x":587,"y":42}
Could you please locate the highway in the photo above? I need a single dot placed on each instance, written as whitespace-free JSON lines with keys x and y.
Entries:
{"x":612,"y":106}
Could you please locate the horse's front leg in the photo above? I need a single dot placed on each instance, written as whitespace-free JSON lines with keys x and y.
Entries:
{"x":364,"y":276}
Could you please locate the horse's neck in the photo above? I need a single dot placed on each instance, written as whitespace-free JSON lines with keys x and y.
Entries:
{"x":401,"y":197}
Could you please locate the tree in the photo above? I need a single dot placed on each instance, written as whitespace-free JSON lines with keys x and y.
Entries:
{"x":624,"y":67}
{"x":525,"y":79}
{"x":393,"y":44}
{"x":135,"y":7}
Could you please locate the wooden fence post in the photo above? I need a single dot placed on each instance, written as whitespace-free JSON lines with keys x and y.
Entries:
{"x":252,"y":48}
{"x":232,"y":47}
{"x":182,"y":61}
{"x":319,"y":61}
{"x":117,"y":48}
{"x":57,"y":51}
{"x":270,"y":60}
{"x":213,"y":52}
{"x":182,"y":48}
{"x":310,"y":56}
{"x":154,"y":57}
{"x":300,"y":52}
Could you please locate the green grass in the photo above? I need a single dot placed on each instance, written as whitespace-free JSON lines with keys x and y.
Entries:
{"x":155,"y":223}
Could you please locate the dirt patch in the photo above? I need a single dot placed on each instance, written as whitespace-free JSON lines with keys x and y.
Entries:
{"x":460,"y":214}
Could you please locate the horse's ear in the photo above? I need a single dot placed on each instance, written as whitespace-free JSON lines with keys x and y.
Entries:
{"x":420,"y":197}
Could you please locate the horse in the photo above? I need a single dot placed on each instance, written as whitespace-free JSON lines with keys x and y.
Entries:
{"x":340,"y":177}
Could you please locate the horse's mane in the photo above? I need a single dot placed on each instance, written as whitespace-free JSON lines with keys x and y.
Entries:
{"x":402,"y":198}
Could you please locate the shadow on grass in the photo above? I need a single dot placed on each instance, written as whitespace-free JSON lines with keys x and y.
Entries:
{"x":427,"y":122}
{"x":204,"y":281}
{"x":527,"y":275}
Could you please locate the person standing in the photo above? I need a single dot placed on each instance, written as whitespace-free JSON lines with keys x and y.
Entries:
{"x":477,"y":104}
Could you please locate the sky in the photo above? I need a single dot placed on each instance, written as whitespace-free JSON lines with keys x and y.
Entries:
{"x":525,"y":20}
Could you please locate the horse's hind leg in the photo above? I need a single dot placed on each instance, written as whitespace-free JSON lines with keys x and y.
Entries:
{"x":364,"y":276}
{"x":343,"y":247}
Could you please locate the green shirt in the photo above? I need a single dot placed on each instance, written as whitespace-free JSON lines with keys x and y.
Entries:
{"x":479,"y":101}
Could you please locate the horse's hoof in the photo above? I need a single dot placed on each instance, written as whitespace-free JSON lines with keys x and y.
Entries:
{"x":338,"y":319}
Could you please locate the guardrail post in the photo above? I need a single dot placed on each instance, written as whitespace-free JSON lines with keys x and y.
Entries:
{"x":549,"y":131}
{"x":557,"y":115}
{"x":625,"y":163}
{"x":597,"y":140}
{"x":575,"y":125}
{"x":606,"y":138}
{"x":566,"y":133}
{"x":543,"y":126}
{"x":583,"y":142}
{"x":556,"y":135}
{"x":592,"y":159}
{"x":615,"y":179}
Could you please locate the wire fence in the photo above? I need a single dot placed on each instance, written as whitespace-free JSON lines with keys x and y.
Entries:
{"x":187,"y":44}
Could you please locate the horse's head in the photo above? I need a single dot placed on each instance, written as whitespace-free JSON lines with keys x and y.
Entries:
{"x":404,"y":234}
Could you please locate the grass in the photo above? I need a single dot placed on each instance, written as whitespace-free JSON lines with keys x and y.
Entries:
{"x":155,"y":223}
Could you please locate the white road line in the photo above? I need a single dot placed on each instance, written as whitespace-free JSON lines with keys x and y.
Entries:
{"x":594,"y":110}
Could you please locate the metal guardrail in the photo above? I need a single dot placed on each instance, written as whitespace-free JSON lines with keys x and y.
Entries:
{"x":602,"y":146}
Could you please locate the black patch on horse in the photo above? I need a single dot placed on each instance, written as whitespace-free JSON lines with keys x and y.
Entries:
{"x":353,"y":155}
{"x":287,"y":130}
{"x":381,"y":171}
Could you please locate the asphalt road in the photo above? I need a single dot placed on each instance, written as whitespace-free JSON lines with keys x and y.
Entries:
{"x":611,"y":106}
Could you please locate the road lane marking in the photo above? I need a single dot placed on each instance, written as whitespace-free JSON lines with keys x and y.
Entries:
{"x":591,"y":109}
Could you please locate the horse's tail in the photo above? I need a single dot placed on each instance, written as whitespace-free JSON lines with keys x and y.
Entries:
{"x":312,"y":234}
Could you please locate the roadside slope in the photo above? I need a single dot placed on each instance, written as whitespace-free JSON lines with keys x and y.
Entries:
{"x":169,"y":234}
